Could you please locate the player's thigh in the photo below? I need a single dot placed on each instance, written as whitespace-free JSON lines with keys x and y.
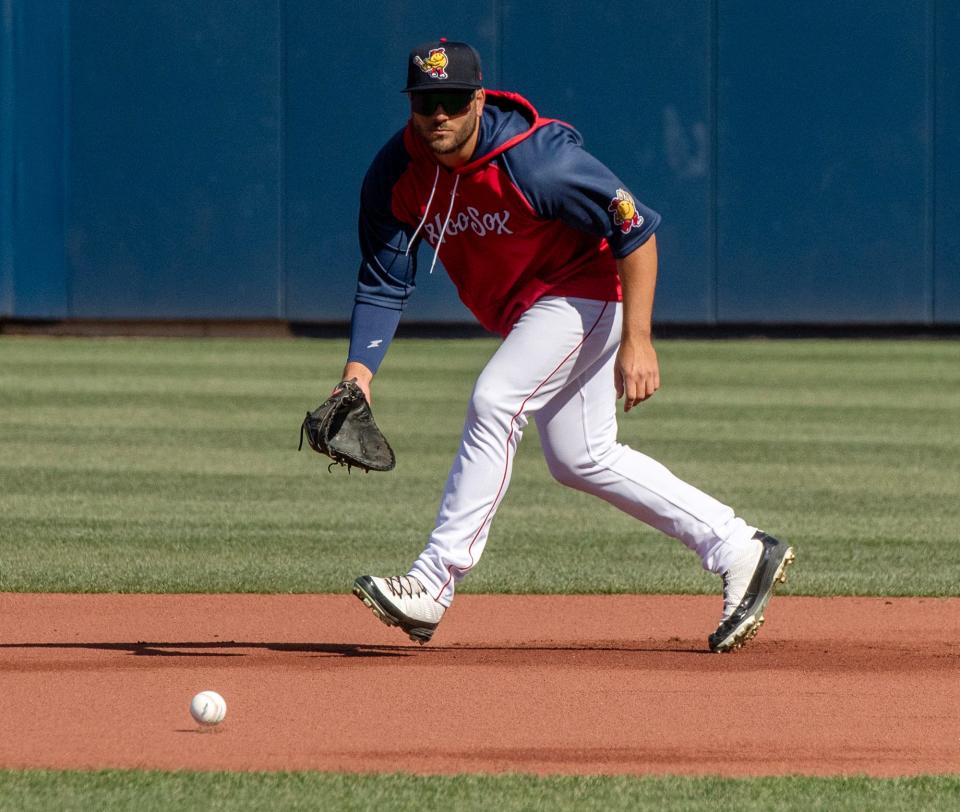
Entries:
{"x":578,"y":426}
{"x":552,"y":344}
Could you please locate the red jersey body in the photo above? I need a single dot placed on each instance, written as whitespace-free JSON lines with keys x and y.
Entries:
{"x":531,"y":215}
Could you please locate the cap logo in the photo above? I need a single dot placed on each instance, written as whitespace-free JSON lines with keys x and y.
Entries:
{"x":625,"y":212}
{"x":435,"y":65}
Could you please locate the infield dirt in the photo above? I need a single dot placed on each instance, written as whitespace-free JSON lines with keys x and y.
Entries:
{"x":537,"y":684}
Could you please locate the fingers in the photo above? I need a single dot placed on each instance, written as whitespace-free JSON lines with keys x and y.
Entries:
{"x":365,"y":388}
{"x":651,"y":384}
{"x":629,"y":393}
{"x":637,"y":388}
{"x":360,"y":382}
{"x":636,"y":373}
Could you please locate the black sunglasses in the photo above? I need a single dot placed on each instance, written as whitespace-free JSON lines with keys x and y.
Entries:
{"x":453,"y":102}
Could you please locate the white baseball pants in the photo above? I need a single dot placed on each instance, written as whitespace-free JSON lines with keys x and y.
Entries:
{"x":557,"y":365}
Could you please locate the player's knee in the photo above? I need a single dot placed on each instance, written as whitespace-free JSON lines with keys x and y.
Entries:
{"x":576,"y":467}
{"x":568,"y":470}
{"x":486,"y":403}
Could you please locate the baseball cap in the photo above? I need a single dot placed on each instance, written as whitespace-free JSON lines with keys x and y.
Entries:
{"x":443,"y":65}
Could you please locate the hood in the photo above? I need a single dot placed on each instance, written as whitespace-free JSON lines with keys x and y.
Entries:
{"x":508,"y":119}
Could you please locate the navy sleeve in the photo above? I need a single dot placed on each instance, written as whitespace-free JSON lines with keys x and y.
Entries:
{"x":562,"y":181}
{"x":387,"y":271}
{"x":371,"y":330}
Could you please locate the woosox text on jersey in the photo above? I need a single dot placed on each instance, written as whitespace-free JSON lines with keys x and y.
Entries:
{"x":479,"y":224}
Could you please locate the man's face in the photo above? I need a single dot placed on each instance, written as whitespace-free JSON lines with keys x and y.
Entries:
{"x":445,"y":132}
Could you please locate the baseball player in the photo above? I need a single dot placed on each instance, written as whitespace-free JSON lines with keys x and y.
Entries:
{"x":550,"y":249}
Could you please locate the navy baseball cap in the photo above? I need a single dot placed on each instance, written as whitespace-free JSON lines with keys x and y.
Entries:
{"x":443,"y":65}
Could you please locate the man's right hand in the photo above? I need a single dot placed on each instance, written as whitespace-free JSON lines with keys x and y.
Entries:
{"x":362,"y":375}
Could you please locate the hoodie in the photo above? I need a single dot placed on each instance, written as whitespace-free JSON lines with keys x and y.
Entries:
{"x":532,"y":214}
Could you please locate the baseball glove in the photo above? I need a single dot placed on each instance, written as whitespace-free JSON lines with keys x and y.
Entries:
{"x":342,"y":427}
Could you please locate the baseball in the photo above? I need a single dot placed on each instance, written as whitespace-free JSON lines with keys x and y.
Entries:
{"x":208,"y":708}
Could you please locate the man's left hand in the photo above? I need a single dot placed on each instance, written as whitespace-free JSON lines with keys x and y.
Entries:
{"x":636,"y":372}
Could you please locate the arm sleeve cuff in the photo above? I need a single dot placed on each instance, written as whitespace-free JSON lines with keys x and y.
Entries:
{"x":371,"y":330}
{"x":628,"y":246}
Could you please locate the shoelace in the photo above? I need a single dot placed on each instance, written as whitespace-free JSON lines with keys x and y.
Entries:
{"x":398,"y":584}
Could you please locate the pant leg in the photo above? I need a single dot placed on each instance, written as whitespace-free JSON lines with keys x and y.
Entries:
{"x":578,"y":431}
{"x":553,"y":343}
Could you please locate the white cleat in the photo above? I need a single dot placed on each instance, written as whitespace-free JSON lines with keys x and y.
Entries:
{"x":401,"y":600}
{"x":747,"y":589}
{"x":738,"y":577}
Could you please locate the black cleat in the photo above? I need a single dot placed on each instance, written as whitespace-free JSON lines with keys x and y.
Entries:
{"x":746,"y":620}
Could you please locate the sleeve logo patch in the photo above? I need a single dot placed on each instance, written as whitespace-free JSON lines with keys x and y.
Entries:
{"x":435,"y":65}
{"x":625,"y":212}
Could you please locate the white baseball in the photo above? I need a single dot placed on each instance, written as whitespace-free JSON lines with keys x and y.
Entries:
{"x":208,"y":708}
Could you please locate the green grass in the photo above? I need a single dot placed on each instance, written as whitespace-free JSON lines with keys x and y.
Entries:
{"x":145,"y":791}
{"x":160,"y":465}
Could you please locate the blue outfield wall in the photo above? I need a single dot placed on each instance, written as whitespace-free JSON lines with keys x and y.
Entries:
{"x":34,"y":276}
{"x":202,"y":158}
{"x":6,"y":156}
{"x":945,"y":246}
{"x":174,"y":161}
{"x":822,"y":160}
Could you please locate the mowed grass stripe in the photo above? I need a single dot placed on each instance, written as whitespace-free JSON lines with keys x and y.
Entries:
{"x":171,"y":465}
{"x":147,"y":791}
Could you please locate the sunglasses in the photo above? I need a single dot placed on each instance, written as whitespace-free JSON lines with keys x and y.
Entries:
{"x":453,"y":102}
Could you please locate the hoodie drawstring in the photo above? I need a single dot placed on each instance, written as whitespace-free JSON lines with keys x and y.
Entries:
{"x":426,"y":212}
{"x":453,"y":195}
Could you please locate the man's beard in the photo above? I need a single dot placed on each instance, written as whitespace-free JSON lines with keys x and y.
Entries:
{"x":465,"y":135}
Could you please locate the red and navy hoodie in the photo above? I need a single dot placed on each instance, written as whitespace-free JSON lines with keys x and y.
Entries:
{"x":532,"y":214}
